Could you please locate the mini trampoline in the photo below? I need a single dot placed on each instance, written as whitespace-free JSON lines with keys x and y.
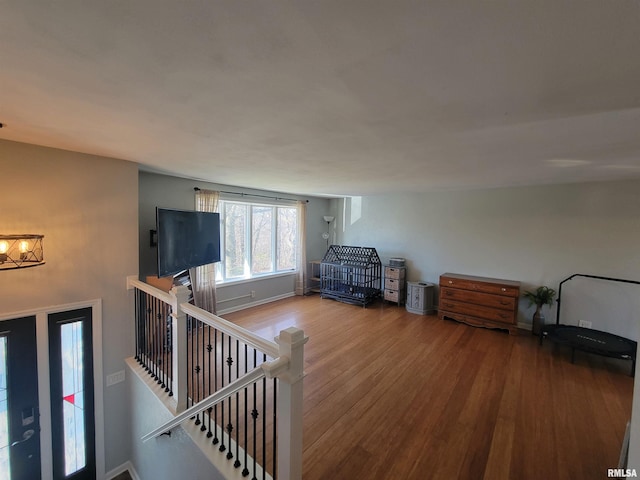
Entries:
{"x":587,"y":339}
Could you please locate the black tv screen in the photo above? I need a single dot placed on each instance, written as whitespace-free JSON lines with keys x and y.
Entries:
{"x":186,"y":239}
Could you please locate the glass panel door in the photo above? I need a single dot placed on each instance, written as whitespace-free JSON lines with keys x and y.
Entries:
{"x":72,"y":415}
{"x":5,"y":463}
{"x":19,"y":414}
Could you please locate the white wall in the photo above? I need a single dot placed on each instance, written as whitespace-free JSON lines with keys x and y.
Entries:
{"x":537,"y":235}
{"x":173,"y":192}
{"x":86,"y":207}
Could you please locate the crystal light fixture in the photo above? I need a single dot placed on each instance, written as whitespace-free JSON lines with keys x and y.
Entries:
{"x":21,"y":251}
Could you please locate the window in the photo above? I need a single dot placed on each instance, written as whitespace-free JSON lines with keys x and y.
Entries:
{"x":257,"y":240}
{"x":72,"y":400}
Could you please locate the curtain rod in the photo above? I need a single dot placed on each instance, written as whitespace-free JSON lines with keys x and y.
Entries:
{"x":197,"y":189}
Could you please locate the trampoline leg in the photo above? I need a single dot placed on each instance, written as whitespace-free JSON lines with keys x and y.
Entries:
{"x":573,"y":354}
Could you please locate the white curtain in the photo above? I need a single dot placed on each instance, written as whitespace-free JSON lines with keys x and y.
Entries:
{"x":203,"y":279}
{"x":301,"y":277}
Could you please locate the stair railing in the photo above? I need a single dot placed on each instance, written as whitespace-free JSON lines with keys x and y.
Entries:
{"x":243,"y":392}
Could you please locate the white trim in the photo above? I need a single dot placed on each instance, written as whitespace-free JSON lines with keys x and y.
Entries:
{"x":524,"y":326}
{"x":44,"y":394}
{"x":51,"y":309}
{"x":220,"y":395}
{"x":256,"y":303}
{"x":168,"y":402}
{"x":126,"y":466}
{"x":255,"y":278}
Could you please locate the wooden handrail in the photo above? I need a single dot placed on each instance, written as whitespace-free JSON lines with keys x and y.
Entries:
{"x":233,"y":330}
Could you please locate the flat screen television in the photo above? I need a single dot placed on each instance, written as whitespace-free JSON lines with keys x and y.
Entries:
{"x":186,"y":239}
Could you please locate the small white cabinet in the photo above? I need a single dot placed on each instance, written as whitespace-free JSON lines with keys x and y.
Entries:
{"x":420,"y":298}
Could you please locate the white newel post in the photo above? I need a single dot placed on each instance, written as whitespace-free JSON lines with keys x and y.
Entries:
{"x":290,"y":404}
{"x":179,"y":344}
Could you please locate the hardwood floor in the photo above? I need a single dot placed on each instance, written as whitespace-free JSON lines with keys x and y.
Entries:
{"x":393,"y":395}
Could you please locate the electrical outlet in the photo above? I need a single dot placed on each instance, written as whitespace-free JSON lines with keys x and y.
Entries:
{"x":115,"y":378}
{"x":253,"y":294}
{"x":584,"y":323}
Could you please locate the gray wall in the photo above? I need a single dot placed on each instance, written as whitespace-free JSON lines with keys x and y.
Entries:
{"x":172,"y":192}
{"x":86,"y":207}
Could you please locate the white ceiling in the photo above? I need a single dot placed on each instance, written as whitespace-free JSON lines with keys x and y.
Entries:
{"x":331,"y":97}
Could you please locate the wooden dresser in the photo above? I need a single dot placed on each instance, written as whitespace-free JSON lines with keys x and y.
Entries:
{"x":479,"y":301}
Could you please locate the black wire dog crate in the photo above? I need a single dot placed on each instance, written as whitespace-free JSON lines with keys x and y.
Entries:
{"x":351,"y":274}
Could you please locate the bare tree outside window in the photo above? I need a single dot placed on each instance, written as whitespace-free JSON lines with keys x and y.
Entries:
{"x":287,"y":238}
{"x":258,"y":240}
{"x":235,"y":234}
{"x":261,"y":239}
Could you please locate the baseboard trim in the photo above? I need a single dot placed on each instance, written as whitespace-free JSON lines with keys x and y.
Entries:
{"x":524,"y":326}
{"x":121,"y":469}
{"x":256,"y":303}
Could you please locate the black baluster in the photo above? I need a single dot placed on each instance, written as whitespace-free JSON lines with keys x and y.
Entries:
{"x":158,"y":332}
{"x":189,"y":360}
{"x":237,"y":462}
{"x":202,"y":378}
{"x":275,"y":423}
{"x":147,"y":329}
{"x":197,"y":369}
{"x":254,"y":415}
{"x":136,"y":309}
{"x":222,"y":447}
{"x":245,"y":470}
{"x":170,"y":350}
{"x":163,"y":345}
{"x":154,"y":342}
{"x":229,"y":424}
{"x":209,"y":391}
{"x":215,"y":385}
{"x":264,"y":423}
{"x":152,"y":336}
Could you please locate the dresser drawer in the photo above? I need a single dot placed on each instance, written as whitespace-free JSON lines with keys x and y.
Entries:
{"x":479,"y":311}
{"x":394,"y":272}
{"x":479,"y":298}
{"x":479,"y":286}
{"x":393,"y":284}
{"x":391,"y":295}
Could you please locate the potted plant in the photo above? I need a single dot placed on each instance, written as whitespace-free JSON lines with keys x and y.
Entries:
{"x":539,"y":297}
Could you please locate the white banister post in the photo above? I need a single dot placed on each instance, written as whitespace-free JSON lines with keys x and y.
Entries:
{"x":179,"y":347}
{"x":290,"y":403}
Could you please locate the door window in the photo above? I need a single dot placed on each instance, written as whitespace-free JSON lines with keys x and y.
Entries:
{"x":72,"y":406}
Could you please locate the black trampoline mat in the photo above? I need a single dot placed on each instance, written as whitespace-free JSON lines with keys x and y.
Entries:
{"x":593,"y":340}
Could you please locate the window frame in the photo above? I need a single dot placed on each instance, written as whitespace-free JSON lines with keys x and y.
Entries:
{"x":249,"y":274}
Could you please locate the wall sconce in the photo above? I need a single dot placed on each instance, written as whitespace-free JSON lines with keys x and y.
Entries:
{"x":21,"y":251}
{"x":325,"y":235}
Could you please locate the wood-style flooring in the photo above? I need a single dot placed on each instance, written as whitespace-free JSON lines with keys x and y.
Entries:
{"x":394,"y":395}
